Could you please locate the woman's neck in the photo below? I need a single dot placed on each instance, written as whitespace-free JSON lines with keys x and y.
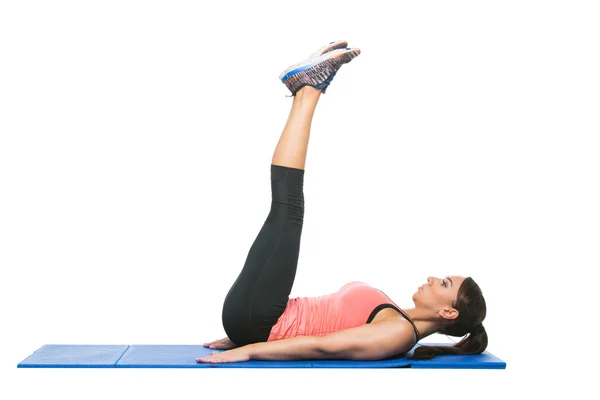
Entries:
{"x":424,"y":321}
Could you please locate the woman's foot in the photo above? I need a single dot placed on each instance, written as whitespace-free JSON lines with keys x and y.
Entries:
{"x":340,"y":44}
{"x":317,"y":72}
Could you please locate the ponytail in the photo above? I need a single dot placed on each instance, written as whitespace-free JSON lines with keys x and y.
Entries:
{"x":475,"y":343}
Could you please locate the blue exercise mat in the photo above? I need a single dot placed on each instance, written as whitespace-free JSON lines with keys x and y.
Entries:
{"x":485,"y":360}
{"x":75,"y":356}
{"x":184,"y":356}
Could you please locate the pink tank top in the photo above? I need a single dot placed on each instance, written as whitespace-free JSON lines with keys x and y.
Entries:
{"x":355,"y":304}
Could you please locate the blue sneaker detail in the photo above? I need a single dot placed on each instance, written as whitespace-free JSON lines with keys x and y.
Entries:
{"x":335,"y":45}
{"x":295,"y":71}
{"x":318,"y":72}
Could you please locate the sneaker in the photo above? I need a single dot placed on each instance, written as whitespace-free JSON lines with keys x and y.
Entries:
{"x":317,"y":72}
{"x":340,"y":44}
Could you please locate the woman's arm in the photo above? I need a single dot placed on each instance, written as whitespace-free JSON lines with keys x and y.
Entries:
{"x":366,"y":342}
{"x":390,"y":337}
{"x":297,"y":348}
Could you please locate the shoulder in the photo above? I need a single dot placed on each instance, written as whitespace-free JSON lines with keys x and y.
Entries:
{"x":391,"y":320}
{"x":401,"y":327}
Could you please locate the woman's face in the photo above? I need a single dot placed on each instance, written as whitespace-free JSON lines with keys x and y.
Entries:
{"x":439,"y":294}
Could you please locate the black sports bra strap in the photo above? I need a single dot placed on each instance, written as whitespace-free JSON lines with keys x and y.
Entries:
{"x":404,"y":314}
{"x":411,"y":321}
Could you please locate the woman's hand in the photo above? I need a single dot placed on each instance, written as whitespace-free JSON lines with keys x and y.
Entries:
{"x":222,"y":344}
{"x":236,"y":355}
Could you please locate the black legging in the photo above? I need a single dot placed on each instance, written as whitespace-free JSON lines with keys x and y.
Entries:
{"x":260,"y":294}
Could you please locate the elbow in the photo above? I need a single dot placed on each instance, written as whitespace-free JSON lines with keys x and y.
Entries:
{"x":325,"y":348}
{"x":351,"y":350}
{"x":336,"y":349}
{"x":316,"y":347}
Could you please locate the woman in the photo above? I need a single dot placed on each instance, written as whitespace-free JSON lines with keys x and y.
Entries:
{"x":357,"y":322}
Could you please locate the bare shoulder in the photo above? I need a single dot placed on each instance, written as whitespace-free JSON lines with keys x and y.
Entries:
{"x":399,"y":324}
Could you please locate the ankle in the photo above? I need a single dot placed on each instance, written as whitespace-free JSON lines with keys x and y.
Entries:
{"x":308,"y":91}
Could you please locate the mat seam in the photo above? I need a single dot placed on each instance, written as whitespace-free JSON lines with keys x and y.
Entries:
{"x":119,"y":359}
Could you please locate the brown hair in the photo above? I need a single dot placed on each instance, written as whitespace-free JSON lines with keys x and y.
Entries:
{"x":471,"y":313}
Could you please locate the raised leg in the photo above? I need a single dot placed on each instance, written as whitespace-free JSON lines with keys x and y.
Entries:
{"x":293,"y":143}
{"x":261,"y":292}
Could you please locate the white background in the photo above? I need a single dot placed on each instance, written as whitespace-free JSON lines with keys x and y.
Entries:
{"x":135,"y":149}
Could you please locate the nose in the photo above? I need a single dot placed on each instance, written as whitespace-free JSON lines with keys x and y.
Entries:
{"x":429,"y":280}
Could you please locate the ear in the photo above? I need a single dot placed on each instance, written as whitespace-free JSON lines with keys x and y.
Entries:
{"x":448,"y":313}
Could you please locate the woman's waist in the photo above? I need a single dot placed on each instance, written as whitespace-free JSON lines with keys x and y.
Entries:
{"x":351,"y":306}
